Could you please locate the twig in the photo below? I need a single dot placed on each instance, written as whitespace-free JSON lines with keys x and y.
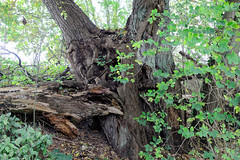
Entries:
{"x":184,"y":141}
{"x":188,"y":56}
{"x":63,"y":139}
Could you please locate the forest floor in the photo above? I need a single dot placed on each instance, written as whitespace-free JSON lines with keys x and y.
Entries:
{"x":90,"y":144}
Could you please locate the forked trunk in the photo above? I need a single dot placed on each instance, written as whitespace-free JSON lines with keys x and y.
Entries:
{"x":91,"y":51}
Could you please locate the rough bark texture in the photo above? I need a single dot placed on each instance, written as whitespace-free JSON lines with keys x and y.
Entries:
{"x":67,"y":102}
{"x":86,"y":44}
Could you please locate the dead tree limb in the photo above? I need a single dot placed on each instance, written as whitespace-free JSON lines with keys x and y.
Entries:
{"x":63,"y":73}
{"x":188,"y":56}
{"x":19,"y":63}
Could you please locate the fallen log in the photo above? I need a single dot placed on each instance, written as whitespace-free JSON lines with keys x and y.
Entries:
{"x":58,"y":104}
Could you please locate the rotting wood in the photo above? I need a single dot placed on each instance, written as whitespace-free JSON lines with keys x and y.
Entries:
{"x":57,"y":108}
{"x":63,"y":125}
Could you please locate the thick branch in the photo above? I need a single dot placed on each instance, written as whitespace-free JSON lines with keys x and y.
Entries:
{"x":231,"y":15}
{"x":137,"y":25}
{"x":73,"y":22}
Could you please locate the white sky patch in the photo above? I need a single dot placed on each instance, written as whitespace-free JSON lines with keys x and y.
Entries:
{"x":29,"y":59}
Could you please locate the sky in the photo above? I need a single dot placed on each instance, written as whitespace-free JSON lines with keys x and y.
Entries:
{"x":24,"y":58}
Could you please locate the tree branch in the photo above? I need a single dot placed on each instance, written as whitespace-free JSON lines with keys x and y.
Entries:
{"x":73,"y":22}
{"x":184,"y":78}
{"x":187,"y":56}
{"x":19,"y":62}
{"x":138,"y":25}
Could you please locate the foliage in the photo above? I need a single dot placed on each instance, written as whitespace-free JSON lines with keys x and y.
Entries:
{"x":56,"y":155}
{"x":154,"y":16}
{"x":197,"y":27}
{"x":28,"y":27}
{"x":13,"y":74}
{"x":38,"y":34}
{"x":212,"y":129}
{"x":19,"y":141}
{"x":50,"y":70}
{"x":116,"y":15}
{"x":153,"y":150}
{"x":101,"y":60}
{"x":122,"y":70}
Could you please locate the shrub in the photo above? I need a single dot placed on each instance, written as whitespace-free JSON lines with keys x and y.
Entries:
{"x":211,"y":127}
{"x":20,"y":141}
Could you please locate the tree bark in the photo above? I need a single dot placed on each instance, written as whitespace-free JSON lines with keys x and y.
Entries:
{"x":86,"y":44}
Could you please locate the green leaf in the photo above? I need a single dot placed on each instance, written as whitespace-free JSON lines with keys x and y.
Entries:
{"x":235,"y":101}
{"x":219,"y":84}
{"x":159,"y":73}
{"x":209,"y":155}
{"x":233,"y":58}
{"x":148,"y":148}
{"x":218,"y":116}
{"x":221,"y":22}
{"x":214,"y":133}
{"x":137,"y":44}
{"x":210,"y":30}
{"x":237,"y":109}
{"x":18,"y":141}
{"x":162,"y":86}
{"x":231,"y":85}
{"x":56,"y":154}
{"x":201,"y":116}
{"x":230,"y":32}
{"x":217,"y":57}
{"x":5,"y":121}
{"x":197,"y":106}
{"x":235,"y":26}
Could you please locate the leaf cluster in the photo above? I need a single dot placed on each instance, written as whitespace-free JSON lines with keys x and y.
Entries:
{"x":212,"y":129}
{"x":19,"y":141}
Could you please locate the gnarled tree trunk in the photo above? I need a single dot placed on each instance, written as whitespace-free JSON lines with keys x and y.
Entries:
{"x":86,"y":43}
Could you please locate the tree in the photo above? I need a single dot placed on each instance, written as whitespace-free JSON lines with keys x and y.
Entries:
{"x":132,"y":68}
{"x":86,"y":43}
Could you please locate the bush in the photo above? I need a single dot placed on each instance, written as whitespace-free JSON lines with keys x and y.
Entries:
{"x":210,"y":125}
{"x":20,"y":141}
